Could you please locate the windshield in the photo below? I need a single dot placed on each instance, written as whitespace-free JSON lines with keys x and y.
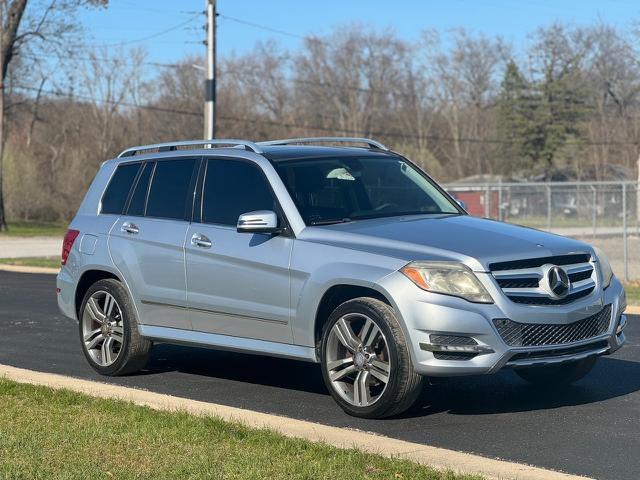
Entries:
{"x":332,"y":190}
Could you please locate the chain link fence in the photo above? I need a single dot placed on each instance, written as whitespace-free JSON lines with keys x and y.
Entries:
{"x":605,"y":214}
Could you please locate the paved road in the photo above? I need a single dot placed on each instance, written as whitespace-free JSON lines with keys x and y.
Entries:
{"x":14,"y":247}
{"x":592,"y":428}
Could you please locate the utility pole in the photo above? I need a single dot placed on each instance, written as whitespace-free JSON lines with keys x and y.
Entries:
{"x":210,"y":81}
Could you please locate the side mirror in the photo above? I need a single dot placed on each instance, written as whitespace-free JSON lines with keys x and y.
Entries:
{"x":461,"y":203}
{"x":260,"y":221}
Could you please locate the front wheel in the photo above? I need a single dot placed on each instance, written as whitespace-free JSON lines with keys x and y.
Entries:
{"x":365,"y":360}
{"x":557,"y":375}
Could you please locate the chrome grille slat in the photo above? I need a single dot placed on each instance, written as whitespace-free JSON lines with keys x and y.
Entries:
{"x":542,"y":334}
{"x":522,"y":280}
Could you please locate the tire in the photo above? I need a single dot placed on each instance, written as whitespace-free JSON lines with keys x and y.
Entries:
{"x":361,"y":392}
{"x":558,"y":375}
{"x":126,"y":351}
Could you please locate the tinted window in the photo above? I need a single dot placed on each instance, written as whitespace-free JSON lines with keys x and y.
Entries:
{"x":232,"y":188}
{"x":171,"y":192}
{"x":139,"y":197}
{"x":117,"y":192}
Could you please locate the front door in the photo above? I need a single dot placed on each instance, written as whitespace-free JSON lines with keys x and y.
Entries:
{"x":237,"y":283}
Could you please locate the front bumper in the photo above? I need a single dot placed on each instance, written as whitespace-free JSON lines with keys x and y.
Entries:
{"x":426,"y":316}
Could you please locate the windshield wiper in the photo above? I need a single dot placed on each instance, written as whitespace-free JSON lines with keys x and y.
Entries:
{"x":330,"y":222}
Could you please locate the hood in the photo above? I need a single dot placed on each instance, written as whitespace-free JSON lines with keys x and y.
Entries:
{"x":477,"y":242}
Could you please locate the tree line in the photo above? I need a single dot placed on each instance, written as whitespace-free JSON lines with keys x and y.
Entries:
{"x":459,"y":104}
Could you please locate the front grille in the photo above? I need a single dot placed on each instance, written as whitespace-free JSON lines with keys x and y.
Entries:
{"x":523,"y":281}
{"x":556,"y":352}
{"x":551,"y":301}
{"x":538,"y":262}
{"x":519,"y":283}
{"x":540,"y":334}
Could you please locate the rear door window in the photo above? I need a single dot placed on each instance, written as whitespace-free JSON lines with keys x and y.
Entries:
{"x":139,"y":197}
{"x":171,"y":191}
{"x":115,"y":197}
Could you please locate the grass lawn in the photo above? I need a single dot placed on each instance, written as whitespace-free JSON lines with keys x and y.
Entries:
{"x":633,"y":293}
{"x":35,"y":229}
{"x":54,"y":434}
{"x":49,"y":262}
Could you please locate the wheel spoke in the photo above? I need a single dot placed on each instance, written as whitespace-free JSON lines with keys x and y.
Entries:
{"x":94,"y":311}
{"x":117,"y":337}
{"x":109,"y":302}
{"x":117,"y":329}
{"x":337,"y":375}
{"x":380,"y":370}
{"x":91,"y":334}
{"x":369,"y":333}
{"x":94,"y":343}
{"x":106,"y":351}
{"x":337,"y":363}
{"x":361,"y":394}
{"x":345,"y":335}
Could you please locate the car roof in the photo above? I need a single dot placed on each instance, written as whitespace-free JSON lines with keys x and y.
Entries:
{"x":278,"y":153}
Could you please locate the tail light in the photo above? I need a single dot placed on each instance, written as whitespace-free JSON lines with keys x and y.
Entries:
{"x":67,"y":244}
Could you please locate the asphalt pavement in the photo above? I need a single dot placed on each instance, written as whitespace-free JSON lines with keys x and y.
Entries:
{"x":591,"y":428}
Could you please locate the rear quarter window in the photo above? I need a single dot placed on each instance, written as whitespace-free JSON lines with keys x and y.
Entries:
{"x":117,"y":192}
{"x":172,"y":187}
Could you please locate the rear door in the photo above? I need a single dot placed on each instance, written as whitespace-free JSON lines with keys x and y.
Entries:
{"x":147,"y":243}
{"x":238,"y":283}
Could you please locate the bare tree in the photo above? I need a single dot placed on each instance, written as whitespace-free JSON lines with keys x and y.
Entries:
{"x":21,"y":27}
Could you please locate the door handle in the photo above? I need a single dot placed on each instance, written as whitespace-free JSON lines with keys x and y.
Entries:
{"x":128,"y":227}
{"x":200,"y":240}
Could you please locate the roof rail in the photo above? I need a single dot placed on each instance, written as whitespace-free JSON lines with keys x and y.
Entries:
{"x":171,"y":146}
{"x":289,"y":141}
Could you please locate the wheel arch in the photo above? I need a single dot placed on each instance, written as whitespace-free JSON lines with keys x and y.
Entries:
{"x":88,"y":278}
{"x":338,"y":294}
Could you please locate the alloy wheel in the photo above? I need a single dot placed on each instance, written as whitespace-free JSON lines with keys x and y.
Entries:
{"x":357,"y":359}
{"x":102,"y":328}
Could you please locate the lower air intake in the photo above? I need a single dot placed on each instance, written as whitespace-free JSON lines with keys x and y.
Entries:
{"x":539,"y":334}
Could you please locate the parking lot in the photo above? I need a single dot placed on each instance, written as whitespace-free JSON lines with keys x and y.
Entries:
{"x":591,"y":428}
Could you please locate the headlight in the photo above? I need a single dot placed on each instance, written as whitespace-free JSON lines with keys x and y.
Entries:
{"x":449,"y":278}
{"x":605,"y":267}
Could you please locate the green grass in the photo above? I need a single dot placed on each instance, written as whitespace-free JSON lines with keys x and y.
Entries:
{"x":633,"y":293}
{"x":60,"y":434}
{"x":48,"y":262}
{"x":35,"y":229}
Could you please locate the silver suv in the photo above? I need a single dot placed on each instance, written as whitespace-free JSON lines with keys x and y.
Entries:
{"x":348,"y":256}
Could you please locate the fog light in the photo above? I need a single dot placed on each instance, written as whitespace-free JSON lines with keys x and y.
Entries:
{"x":454,"y":344}
{"x":621,"y":324}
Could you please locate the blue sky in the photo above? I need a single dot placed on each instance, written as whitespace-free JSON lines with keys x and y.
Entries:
{"x":133,"y":20}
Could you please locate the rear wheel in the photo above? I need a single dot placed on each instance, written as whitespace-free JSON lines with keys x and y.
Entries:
{"x":365,"y":361}
{"x":556,"y":375}
{"x":109,"y":331}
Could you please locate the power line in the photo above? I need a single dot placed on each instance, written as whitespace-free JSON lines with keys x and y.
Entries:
{"x":106,"y":59}
{"x":318,"y":128}
{"x":272,"y":30}
{"x":148,"y":37}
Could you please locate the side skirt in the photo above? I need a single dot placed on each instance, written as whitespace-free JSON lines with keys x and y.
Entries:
{"x":227,"y":342}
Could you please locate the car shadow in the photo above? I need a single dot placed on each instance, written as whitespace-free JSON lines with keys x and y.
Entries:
{"x":240,"y":367}
{"x":503,"y":392}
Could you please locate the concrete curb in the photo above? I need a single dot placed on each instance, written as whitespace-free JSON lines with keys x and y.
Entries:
{"x":632,"y":310}
{"x":23,"y":269}
{"x":439,"y":458}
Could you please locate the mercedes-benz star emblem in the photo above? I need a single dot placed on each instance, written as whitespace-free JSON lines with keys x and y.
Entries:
{"x":559,"y":282}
